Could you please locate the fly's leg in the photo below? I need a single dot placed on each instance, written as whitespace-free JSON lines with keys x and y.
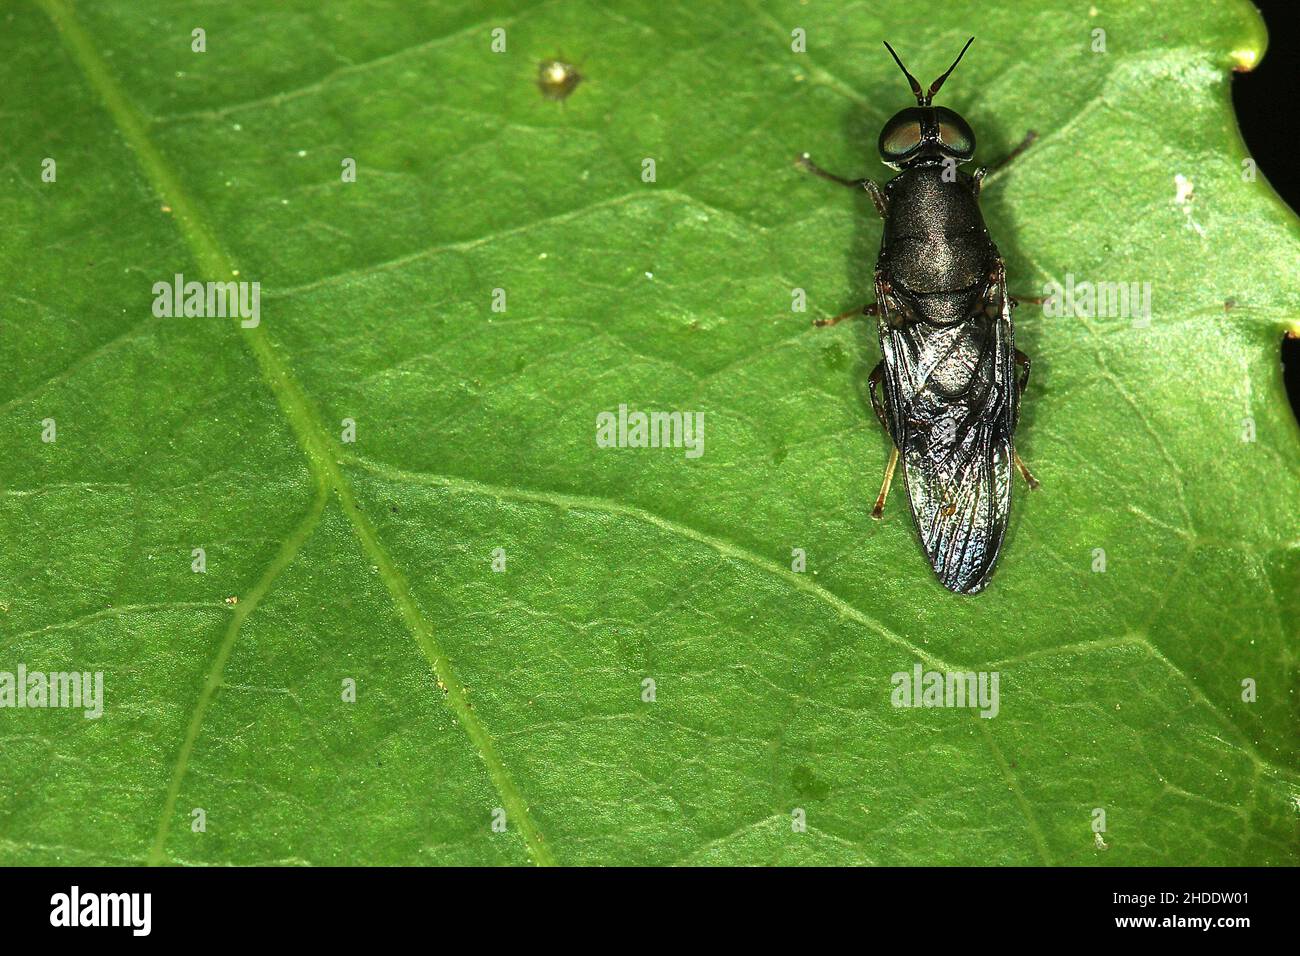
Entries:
{"x":877,"y":196}
{"x":873,"y":382}
{"x":1030,"y":299}
{"x":805,"y":162}
{"x":1030,"y":480}
{"x":986,"y":172}
{"x":1023,"y":361}
{"x":878,"y":511}
{"x":869,"y":309}
{"x":1023,"y":145}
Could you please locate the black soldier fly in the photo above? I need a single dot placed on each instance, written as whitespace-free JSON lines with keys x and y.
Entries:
{"x":949,"y":361}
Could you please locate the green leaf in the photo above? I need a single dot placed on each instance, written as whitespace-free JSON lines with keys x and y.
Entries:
{"x":522,"y":690}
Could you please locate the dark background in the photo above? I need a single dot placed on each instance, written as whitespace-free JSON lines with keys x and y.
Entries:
{"x":1267,"y":101}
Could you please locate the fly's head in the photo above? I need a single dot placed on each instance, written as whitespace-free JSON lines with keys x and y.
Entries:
{"x":924,"y":133}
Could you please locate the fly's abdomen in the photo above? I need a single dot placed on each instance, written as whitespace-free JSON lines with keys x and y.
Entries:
{"x":961,"y":497}
{"x":951,"y":406}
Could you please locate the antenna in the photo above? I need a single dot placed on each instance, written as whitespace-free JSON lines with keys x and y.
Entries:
{"x":934,"y":87}
{"x":916,"y":87}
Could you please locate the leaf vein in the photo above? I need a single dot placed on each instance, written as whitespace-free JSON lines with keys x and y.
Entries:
{"x":298,"y":411}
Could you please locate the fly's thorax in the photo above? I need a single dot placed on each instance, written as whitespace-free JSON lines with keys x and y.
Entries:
{"x":935,"y":239}
{"x":932,"y":198}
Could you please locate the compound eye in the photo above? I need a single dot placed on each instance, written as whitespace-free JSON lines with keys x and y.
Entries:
{"x":954,"y":138}
{"x":900,"y":138}
{"x":954,"y":133}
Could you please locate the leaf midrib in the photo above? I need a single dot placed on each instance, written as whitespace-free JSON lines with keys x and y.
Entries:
{"x":316,"y":444}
